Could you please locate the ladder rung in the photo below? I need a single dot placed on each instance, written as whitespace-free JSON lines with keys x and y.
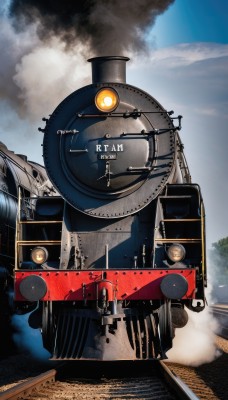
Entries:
{"x":175,"y":197}
{"x":34,"y":242}
{"x":40,"y":222}
{"x":182,"y":220}
{"x":178,"y":240}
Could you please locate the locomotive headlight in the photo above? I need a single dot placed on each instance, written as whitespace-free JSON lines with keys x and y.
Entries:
{"x":39,"y":255}
{"x":176,"y":252}
{"x":106,"y":100}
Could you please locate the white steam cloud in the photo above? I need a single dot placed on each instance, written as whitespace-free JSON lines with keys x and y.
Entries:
{"x":47,"y":75}
{"x":44,"y":59}
{"x":195,"y":344}
{"x":36,"y":76}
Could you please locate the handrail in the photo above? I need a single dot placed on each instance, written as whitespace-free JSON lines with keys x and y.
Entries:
{"x":178,"y":240}
{"x":40,"y":222}
{"x":181,"y":220}
{"x":31,"y":242}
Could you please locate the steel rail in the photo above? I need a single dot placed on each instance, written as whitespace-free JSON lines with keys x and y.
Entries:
{"x":23,"y":389}
{"x":176,"y":384}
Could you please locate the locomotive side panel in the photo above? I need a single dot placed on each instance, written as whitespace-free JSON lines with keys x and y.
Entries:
{"x":18,"y":177}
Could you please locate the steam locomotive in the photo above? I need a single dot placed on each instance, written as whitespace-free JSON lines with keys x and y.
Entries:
{"x":18,"y":177}
{"x":111,"y":264}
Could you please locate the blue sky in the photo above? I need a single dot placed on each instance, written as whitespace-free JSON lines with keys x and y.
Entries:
{"x":185,"y":68}
{"x":187,"y":71}
{"x":189,"y":21}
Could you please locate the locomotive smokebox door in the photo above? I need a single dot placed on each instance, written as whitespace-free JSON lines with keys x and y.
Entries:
{"x":102,"y":146}
{"x":106,"y":157}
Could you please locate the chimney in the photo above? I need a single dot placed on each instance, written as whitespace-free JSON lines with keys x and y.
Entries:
{"x":109,"y":69}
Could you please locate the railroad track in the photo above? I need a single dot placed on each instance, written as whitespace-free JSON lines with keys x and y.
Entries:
{"x":220,"y":312}
{"x":27,"y":388}
{"x":164,"y":385}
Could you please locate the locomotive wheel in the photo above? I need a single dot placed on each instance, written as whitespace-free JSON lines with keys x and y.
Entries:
{"x":47,"y":325}
{"x":165,"y":326}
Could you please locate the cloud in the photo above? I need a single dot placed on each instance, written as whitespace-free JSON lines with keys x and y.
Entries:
{"x":188,"y":53}
{"x":193,"y":76}
{"x":208,"y":112}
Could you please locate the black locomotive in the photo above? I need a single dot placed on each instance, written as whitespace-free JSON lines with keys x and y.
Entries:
{"x":18,"y":177}
{"x":111,"y":264}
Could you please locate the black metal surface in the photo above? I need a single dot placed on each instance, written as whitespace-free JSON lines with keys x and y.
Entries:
{"x":87,"y":155}
{"x":8,"y":209}
{"x":96,"y":163}
{"x":109,"y":69}
{"x":116,"y":187}
{"x":121,"y":178}
{"x":178,"y":216}
{"x":129,"y":335}
{"x":78,"y":335}
{"x":179,"y":316}
{"x":84,"y":239}
{"x":16,"y":174}
{"x":174,"y":286}
{"x":165,"y":326}
{"x":33,"y":288}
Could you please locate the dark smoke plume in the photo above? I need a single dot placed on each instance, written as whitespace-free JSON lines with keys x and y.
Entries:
{"x":106,"y":26}
{"x":45,"y":43}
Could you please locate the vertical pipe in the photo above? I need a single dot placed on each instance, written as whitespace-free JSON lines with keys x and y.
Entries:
{"x":109,"y":69}
{"x":106,"y":257}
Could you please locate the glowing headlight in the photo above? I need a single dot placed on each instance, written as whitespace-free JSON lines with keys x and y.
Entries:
{"x":176,"y":252}
{"x":106,"y":100}
{"x":39,"y":255}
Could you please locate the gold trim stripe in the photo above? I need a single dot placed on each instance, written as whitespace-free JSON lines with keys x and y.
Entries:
{"x":35,"y":242}
{"x":178,"y":240}
{"x":40,"y":222}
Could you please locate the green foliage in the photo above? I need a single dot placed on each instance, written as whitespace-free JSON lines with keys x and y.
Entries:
{"x":219,"y":258}
{"x":221,"y":247}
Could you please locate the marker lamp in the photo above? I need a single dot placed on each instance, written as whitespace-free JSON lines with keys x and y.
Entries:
{"x":39,"y":255}
{"x":176,"y":252}
{"x":106,"y":100}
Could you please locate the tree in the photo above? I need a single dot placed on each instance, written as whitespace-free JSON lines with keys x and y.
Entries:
{"x":221,"y":247}
{"x":219,"y":260}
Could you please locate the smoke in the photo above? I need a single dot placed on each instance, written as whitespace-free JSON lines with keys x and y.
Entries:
{"x":45,"y":83}
{"x":28,"y":340}
{"x":104,"y":25}
{"x":12,"y":48}
{"x":195,"y":343}
{"x":218,"y":272}
{"x":45,"y":45}
{"x":36,"y":76}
